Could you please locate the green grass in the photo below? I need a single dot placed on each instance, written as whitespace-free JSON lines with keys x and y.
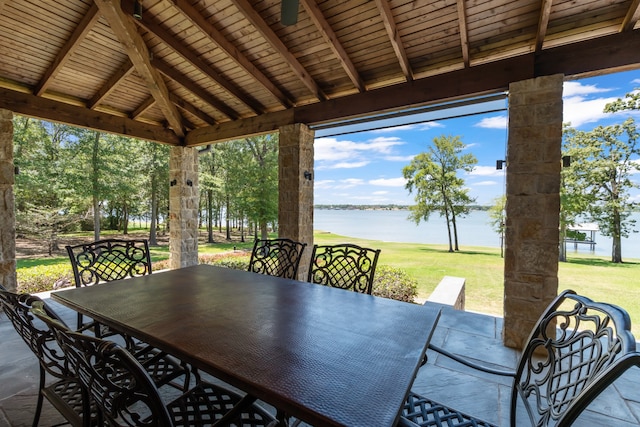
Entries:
{"x":483,"y":269}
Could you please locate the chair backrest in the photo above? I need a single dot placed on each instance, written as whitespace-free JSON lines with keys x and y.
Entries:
{"x":575,"y":341}
{"x":276,"y":257}
{"x":109,"y":260}
{"x":111,"y":377}
{"x":35,"y":333}
{"x":344,"y":266}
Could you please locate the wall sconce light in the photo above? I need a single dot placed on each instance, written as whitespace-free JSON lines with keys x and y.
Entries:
{"x":500,"y":164}
{"x":566,"y":161}
{"x":137,"y":10}
{"x":307,"y":175}
{"x":190,"y":183}
{"x":173,"y":182}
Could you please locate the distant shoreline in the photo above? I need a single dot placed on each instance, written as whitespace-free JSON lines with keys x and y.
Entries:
{"x":381,"y":207}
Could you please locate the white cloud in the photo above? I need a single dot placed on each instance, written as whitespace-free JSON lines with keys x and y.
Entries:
{"x":388,"y":182}
{"x":579,"y":110}
{"x":400,"y":158}
{"x":635,"y":81}
{"x":410,"y":127}
{"x":486,"y":183}
{"x":574,"y":88}
{"x":486,"y":171}
{"x":332,"y":153}
{"x":496,"y":122}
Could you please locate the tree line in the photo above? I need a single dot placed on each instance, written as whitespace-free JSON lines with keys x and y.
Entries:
{"x":72,"y":179}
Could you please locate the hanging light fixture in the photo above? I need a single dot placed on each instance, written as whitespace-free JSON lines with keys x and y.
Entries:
{"x":289,"y":12}
{"x":137,"y":9}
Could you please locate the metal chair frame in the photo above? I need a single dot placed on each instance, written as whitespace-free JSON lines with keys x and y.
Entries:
{"x":576,"y":349}
{"x":126,"y":395}
{"x":276,"y":257}
{"x":344,"y":266}
{"x":108,"y":260}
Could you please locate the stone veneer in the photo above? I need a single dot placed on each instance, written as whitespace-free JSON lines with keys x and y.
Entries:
{"x":533,"y":204}
{"x":183,"y":207}
{"x":7,"y":203}
{"x":295,"y":211}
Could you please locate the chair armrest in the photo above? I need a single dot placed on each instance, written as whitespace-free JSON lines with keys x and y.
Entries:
{"x":471,"y":364}
{"x":403,"y":422}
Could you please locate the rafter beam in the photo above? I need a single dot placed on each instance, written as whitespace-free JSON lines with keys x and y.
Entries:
{"x":394,"y":37}
{"x":111,"y":84}
{"x":464,"y":32}
{"x":543,"y":23}
{"x":56,"y":111}
{"x":142,"y":108}
{"x":192,"y":87}
{"x":334,"y":44}
{"x":188,"y":107}
{"x":271,"y":37}
{"x":126,"y":32}
{"x":195,"y":60}
{"x":218,"y":38}
{"x":633,"y":14}
{"x":67,"y":50}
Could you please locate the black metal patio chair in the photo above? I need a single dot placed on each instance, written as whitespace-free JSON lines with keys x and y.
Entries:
{"x":577,"y":348}
{"x":126,"y":396}
{"x":276,"y":257}
{"x":107,"y":260}
{"x":345,"y":266}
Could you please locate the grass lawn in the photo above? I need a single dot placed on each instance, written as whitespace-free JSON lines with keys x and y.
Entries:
{"x":482,"y":268}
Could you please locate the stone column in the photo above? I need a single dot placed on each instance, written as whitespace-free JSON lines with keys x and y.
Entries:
{"x":183,"y":207}
{"x":295,"y":186}
{"x":533,"y":204}
{"x":7,"y":204}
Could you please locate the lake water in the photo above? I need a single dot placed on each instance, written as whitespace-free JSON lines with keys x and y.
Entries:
{"x":473,"y":230}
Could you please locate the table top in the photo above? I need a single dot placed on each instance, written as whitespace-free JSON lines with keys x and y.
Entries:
{"x":324,"y":355}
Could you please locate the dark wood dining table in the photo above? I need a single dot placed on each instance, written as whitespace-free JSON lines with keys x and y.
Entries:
{"x":326,"y":356}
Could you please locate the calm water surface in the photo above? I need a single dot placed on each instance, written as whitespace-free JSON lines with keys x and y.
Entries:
{"x":473,"y":230}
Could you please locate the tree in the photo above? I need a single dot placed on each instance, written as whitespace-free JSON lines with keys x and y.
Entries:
{"x":602,"y":163}
{"x":497,"y":216}
{"x":433,"y":176}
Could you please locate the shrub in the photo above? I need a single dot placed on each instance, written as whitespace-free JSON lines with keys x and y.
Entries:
{"x":235,"y":260}
{"x":44,"y":278}
{"x":394,"y":283}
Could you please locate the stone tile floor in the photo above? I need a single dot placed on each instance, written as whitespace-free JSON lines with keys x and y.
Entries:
{"x":471,"y":334}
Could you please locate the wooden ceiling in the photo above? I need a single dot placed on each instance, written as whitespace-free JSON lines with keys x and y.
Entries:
{"x":192,"y":72}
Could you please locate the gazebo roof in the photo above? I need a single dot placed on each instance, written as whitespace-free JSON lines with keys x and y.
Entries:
{"x":192,"y":72}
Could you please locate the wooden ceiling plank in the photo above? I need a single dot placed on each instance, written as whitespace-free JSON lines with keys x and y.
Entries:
{"x":464,"y":32}
{"x":279,"y":46}
{"x":632,"y":16}
{"x":543,"y":23}
{"x":334,"y":44}
{"x":136,"y":49}
{"x":218,"y":38}
{"x":192,"y":87}
{"x":394,"y":37}
{"x":78,"y":35}
{"x":48,"y":109}
{"x":186,"y":106}
{"x":201,"y":65}
{"x":111,"y":84}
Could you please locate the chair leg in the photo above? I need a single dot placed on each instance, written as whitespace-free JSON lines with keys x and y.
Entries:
{"x":36,"y":416}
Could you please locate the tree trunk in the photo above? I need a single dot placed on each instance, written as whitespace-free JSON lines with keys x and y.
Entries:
{"x":616,"y":244}
{"x":562,"y":255}
{"x":153,"y":226}
{"x":210,"y":216}
{"x":96,"y":201}
{"x":228,"y":220}
{"x":455,"y":231}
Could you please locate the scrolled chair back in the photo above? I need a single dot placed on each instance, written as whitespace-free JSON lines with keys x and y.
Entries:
{"x":111,"y":377}
{"x":573,"y":343}
{"x":276,"y":257}
{"x":344,"y":266}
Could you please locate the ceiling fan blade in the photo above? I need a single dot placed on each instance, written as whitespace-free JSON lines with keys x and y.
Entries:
{"x":289,"y":12}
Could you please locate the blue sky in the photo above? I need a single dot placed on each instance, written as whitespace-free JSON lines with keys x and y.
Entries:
{"x":365,"y":167}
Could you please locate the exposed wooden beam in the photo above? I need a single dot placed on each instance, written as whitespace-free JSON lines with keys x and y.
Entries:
{"x":142,"y":108}
{"x":334,"y":44}
{"x":394,"y":38}
{"x":464,"y":32}
{"x":192,"y":87}
{"x":543,"y":23}
{"x":136,"y":49}
{"x":633,"y":14}
{"x":2,"y":3}
{"x":195,"y":60}
{"x":604,"y":54}
{"x":186,"y":106}
{"x":271,"y":37}
{"x":241,"y":60}
{"x":111,"y":84}
{"x":78,"y":35}
{"x":55,"y":111}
